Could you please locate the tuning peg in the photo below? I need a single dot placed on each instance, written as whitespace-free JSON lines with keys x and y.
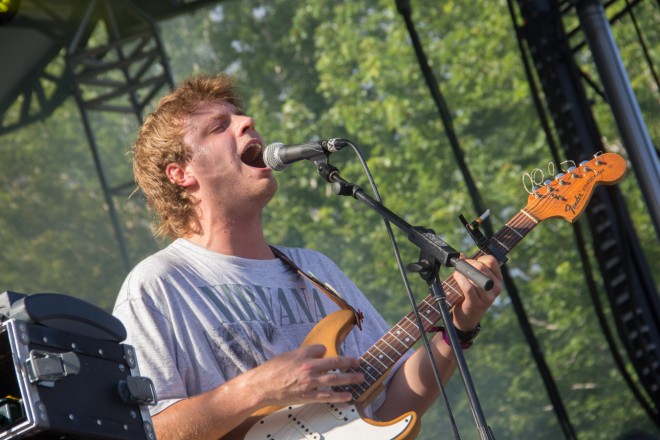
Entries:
{"x":583,"y":164}
{"x":573,"y":173}
{"x":559,"y":179}
{"x":548,"y":185}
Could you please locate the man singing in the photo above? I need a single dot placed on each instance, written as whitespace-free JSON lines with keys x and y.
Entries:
{"x":216,"y":317}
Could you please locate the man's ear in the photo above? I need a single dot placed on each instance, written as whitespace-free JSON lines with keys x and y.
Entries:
{"x":179,"y":174}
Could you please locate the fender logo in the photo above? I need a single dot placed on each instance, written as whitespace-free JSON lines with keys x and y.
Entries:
{"x":572,"y":207}
{"x":591,"y":178}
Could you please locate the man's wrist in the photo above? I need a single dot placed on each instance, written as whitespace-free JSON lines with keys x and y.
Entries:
{"x":466,"y":339}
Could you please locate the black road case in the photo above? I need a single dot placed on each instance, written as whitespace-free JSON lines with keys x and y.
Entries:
{"x":72,"y":378}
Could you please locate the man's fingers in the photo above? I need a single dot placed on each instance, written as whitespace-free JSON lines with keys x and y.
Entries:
{"x":489,"y":267}
{"x":312,"y":350}
{"x":338,"y":363}
{"x":332,"y":379}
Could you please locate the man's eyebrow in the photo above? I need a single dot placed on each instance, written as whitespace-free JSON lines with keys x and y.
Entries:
{"x":214,"y":117}
{"x":209,"y":116}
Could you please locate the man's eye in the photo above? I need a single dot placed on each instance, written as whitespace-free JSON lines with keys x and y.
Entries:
{"x":219,"y":127}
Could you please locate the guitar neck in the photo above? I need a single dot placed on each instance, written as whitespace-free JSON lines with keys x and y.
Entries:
{"x":382,"y":356}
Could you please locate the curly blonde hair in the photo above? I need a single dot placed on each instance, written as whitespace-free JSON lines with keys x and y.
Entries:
{"x":160,"y":142}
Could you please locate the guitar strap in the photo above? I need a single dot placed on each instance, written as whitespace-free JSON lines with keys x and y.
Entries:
{"x":326,"y":288}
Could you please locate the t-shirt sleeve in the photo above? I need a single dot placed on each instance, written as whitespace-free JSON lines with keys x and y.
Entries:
{"x":151,"y":334}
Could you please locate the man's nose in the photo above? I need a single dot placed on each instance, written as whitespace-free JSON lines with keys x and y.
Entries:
{"x":246,"y":124}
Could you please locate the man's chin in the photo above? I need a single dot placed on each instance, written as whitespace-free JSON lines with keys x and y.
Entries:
{"x":270,"y":191}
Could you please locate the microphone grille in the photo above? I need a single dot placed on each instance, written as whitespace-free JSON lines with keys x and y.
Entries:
{"x":272,"y":158}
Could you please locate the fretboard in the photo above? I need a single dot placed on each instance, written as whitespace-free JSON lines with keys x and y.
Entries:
{"x":382,"y":356}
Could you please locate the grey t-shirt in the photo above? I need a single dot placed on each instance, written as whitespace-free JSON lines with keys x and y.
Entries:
{"x":198,"y":318}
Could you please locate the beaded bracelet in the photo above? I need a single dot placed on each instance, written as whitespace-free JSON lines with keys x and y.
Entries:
{"x":466,"y":339}
{"x":464,"y":345}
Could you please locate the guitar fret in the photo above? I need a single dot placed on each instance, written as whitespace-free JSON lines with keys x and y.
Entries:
{"x":367,"y":372}
{"x":383,"y":345}
{"x":383,"y":353}
{"x":510,"y":237}
{"x":408,"y":338}
{"x":437,"y":311}
{"x":514,"y":231}
{"x":449,"y":286}
{"x":376,"y":358}
{"x":501,"y":244}
{"x":394,"y":342}
{"x":414,"y":325}
{"x":531,"y":217}
{"x":396,"y":339}
{"x":453,"y":294}
{"x":358,"y":388}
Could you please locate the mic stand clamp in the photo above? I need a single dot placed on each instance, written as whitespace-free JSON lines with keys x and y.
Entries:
{"x":433,"y":253}
{"x":429,"y":243}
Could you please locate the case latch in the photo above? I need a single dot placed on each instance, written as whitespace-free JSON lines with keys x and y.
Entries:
{"x":46,"y":366}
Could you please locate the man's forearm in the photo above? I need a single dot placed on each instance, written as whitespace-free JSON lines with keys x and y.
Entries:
{"x":210,"y":415}
{"x":414,"y":387}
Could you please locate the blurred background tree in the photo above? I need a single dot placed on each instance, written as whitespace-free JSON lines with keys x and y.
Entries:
{"x":321,"y":69}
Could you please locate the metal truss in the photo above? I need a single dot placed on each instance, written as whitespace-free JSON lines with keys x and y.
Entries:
{"x":623,"y":268}
{"x":122,"y":74}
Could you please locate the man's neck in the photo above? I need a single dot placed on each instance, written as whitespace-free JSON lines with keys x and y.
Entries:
{"x":237,"y":238}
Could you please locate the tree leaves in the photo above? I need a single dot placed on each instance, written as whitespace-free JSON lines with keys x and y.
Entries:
{"x":323,"y":69}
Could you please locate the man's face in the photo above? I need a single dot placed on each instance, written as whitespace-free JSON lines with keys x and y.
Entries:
{"x":227,"y":161}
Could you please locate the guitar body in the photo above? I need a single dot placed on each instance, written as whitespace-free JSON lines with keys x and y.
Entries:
{"x":330,"y":422}
{"x":318,"y":421}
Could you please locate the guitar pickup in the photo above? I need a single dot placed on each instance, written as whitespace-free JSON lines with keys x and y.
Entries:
{"x":306,"y":432}
{"x":337,"y":411}
{"x":299,"y":425}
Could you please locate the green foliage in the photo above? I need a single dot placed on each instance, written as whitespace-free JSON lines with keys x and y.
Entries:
{"x":324,"y":69}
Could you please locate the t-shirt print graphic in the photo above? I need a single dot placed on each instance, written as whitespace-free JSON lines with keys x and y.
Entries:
{"x":238,"y":347}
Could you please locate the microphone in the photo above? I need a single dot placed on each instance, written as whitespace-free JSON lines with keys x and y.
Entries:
{"x":278,"y":156}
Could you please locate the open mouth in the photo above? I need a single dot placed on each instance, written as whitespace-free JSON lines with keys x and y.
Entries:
{"x":252,"y":156}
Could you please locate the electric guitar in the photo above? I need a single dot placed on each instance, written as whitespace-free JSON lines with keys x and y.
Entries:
{"x":565,"y":197}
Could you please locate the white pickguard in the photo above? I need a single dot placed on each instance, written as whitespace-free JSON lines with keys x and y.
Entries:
{"x":322,"y":421}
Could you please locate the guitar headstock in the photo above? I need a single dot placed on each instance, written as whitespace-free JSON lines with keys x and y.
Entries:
{"x":568,"y":194}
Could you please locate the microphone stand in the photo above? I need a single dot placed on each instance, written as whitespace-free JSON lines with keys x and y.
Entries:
{"x":434,"y":252}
